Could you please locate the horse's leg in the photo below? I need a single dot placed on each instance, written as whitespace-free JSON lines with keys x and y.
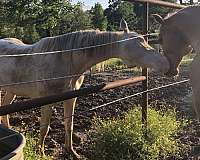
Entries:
{"x":8,"y":98}
{"x":46,"y":113}
{"x":195,"y":76}
{"x":69,"y":106}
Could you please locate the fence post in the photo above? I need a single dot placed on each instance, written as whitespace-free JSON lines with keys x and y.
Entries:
{"x":145,"y":70}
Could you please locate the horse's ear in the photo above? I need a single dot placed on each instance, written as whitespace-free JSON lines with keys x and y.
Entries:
{"x":124,"y":25}
{"x":158,"y":18}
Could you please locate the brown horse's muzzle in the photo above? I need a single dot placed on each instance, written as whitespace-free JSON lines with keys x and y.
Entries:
{"x":172,"y":73}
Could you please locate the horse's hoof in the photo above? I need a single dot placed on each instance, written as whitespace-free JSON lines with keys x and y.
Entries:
{"x":76,"y":156}
{"x":73,"y":153}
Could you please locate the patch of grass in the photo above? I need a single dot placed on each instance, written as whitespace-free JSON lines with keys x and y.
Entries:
{"x":114,"y":63}
{"x":31,"y":151}
{"x":125,"y":139}
{"x":187,"y":59}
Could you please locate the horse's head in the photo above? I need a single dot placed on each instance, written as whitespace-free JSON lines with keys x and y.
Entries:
{"x":174,"y":43}
{"x":137,"y":52}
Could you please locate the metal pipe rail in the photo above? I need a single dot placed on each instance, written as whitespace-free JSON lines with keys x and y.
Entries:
{"x":160,"y":3}
{"x":38,"y":102}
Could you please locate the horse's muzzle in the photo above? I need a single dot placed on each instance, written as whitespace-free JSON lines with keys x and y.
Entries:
{"x":172,"y":73}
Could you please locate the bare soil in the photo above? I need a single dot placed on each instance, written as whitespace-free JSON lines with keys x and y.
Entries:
{"x":177,"y":97}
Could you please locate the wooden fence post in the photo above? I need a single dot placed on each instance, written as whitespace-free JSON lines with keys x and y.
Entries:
{"x":145,"y":70}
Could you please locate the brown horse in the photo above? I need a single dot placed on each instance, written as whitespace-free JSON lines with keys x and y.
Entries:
{"x":179,"y":35}
{"x":134,"y":52}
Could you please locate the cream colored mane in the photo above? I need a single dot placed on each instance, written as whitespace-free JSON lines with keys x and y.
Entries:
{"x":14,"y":40}
{"x":80,"y":39}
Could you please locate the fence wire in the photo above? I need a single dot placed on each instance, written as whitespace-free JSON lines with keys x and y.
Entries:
{"x":86,"y":74}
{"x":127,"y":97}
{"x":63,"y":51}
{"x":77,"y":49}
{"x":62,"y":77}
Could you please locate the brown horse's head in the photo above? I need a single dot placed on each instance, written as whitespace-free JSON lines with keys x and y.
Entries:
{"x":174,"y":43}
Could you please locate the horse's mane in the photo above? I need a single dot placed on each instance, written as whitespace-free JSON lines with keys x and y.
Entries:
{"x":14,"y":40}
{"x":79,"y":39}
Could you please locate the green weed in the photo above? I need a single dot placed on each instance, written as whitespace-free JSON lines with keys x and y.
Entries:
{"x":127,"y":138}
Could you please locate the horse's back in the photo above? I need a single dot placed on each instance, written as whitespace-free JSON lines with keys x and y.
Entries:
{"x":13,"y":46}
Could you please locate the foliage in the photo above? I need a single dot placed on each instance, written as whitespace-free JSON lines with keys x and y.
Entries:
{"x":33,"y":19}
{"x":30,"y":152}
{"x":99,"y":21}
{"x":163,"y":11}
{"x":118,"y":10}
{"x":125,"y":138}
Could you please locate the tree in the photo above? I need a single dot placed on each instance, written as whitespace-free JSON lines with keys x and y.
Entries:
{"x":14,"y":17}
{"x":118,"y":10}
{"x":163,"y":11}
{"x":76,"y":19}
{"x":30,"y":20}
{"x":98,"y":19}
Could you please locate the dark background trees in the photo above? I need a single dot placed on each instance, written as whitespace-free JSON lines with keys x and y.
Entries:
{"x":30,"y":20}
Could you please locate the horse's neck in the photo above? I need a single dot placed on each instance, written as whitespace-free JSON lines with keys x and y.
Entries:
{"x":90,"y":57}
{"x":190,"y":25}
{"x":83,"y":59}
{"x":193,"y":35}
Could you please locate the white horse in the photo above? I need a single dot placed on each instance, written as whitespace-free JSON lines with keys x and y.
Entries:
{"x":134,"y":52}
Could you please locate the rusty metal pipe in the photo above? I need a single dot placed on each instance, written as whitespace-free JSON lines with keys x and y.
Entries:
{"x":38,"y":102}
{"x":160,"y":3}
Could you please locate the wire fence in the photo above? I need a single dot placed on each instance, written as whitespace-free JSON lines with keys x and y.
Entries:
{"x":64,"y":51}
{"x":78,"y":49}
{"x":86,"y":74}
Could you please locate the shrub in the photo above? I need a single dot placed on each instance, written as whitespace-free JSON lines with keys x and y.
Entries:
{"x":125,"y":138}
{"x":31,"y":149}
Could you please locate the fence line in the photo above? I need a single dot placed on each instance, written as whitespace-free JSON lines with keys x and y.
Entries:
{"x":64,"y":51}
{"x":65,"y":77}
{"x":40,"y":80}
{"x":139,"y":93}
{"x":130,"y":96}
{"x":58,"y":78}
{"x":78,"y":49}
{"x":41,"y":101}
{"x":160,"y":3}
{"x":112,"y":102}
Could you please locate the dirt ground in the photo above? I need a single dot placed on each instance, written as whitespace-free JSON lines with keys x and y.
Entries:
{"x":178,"y":97}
